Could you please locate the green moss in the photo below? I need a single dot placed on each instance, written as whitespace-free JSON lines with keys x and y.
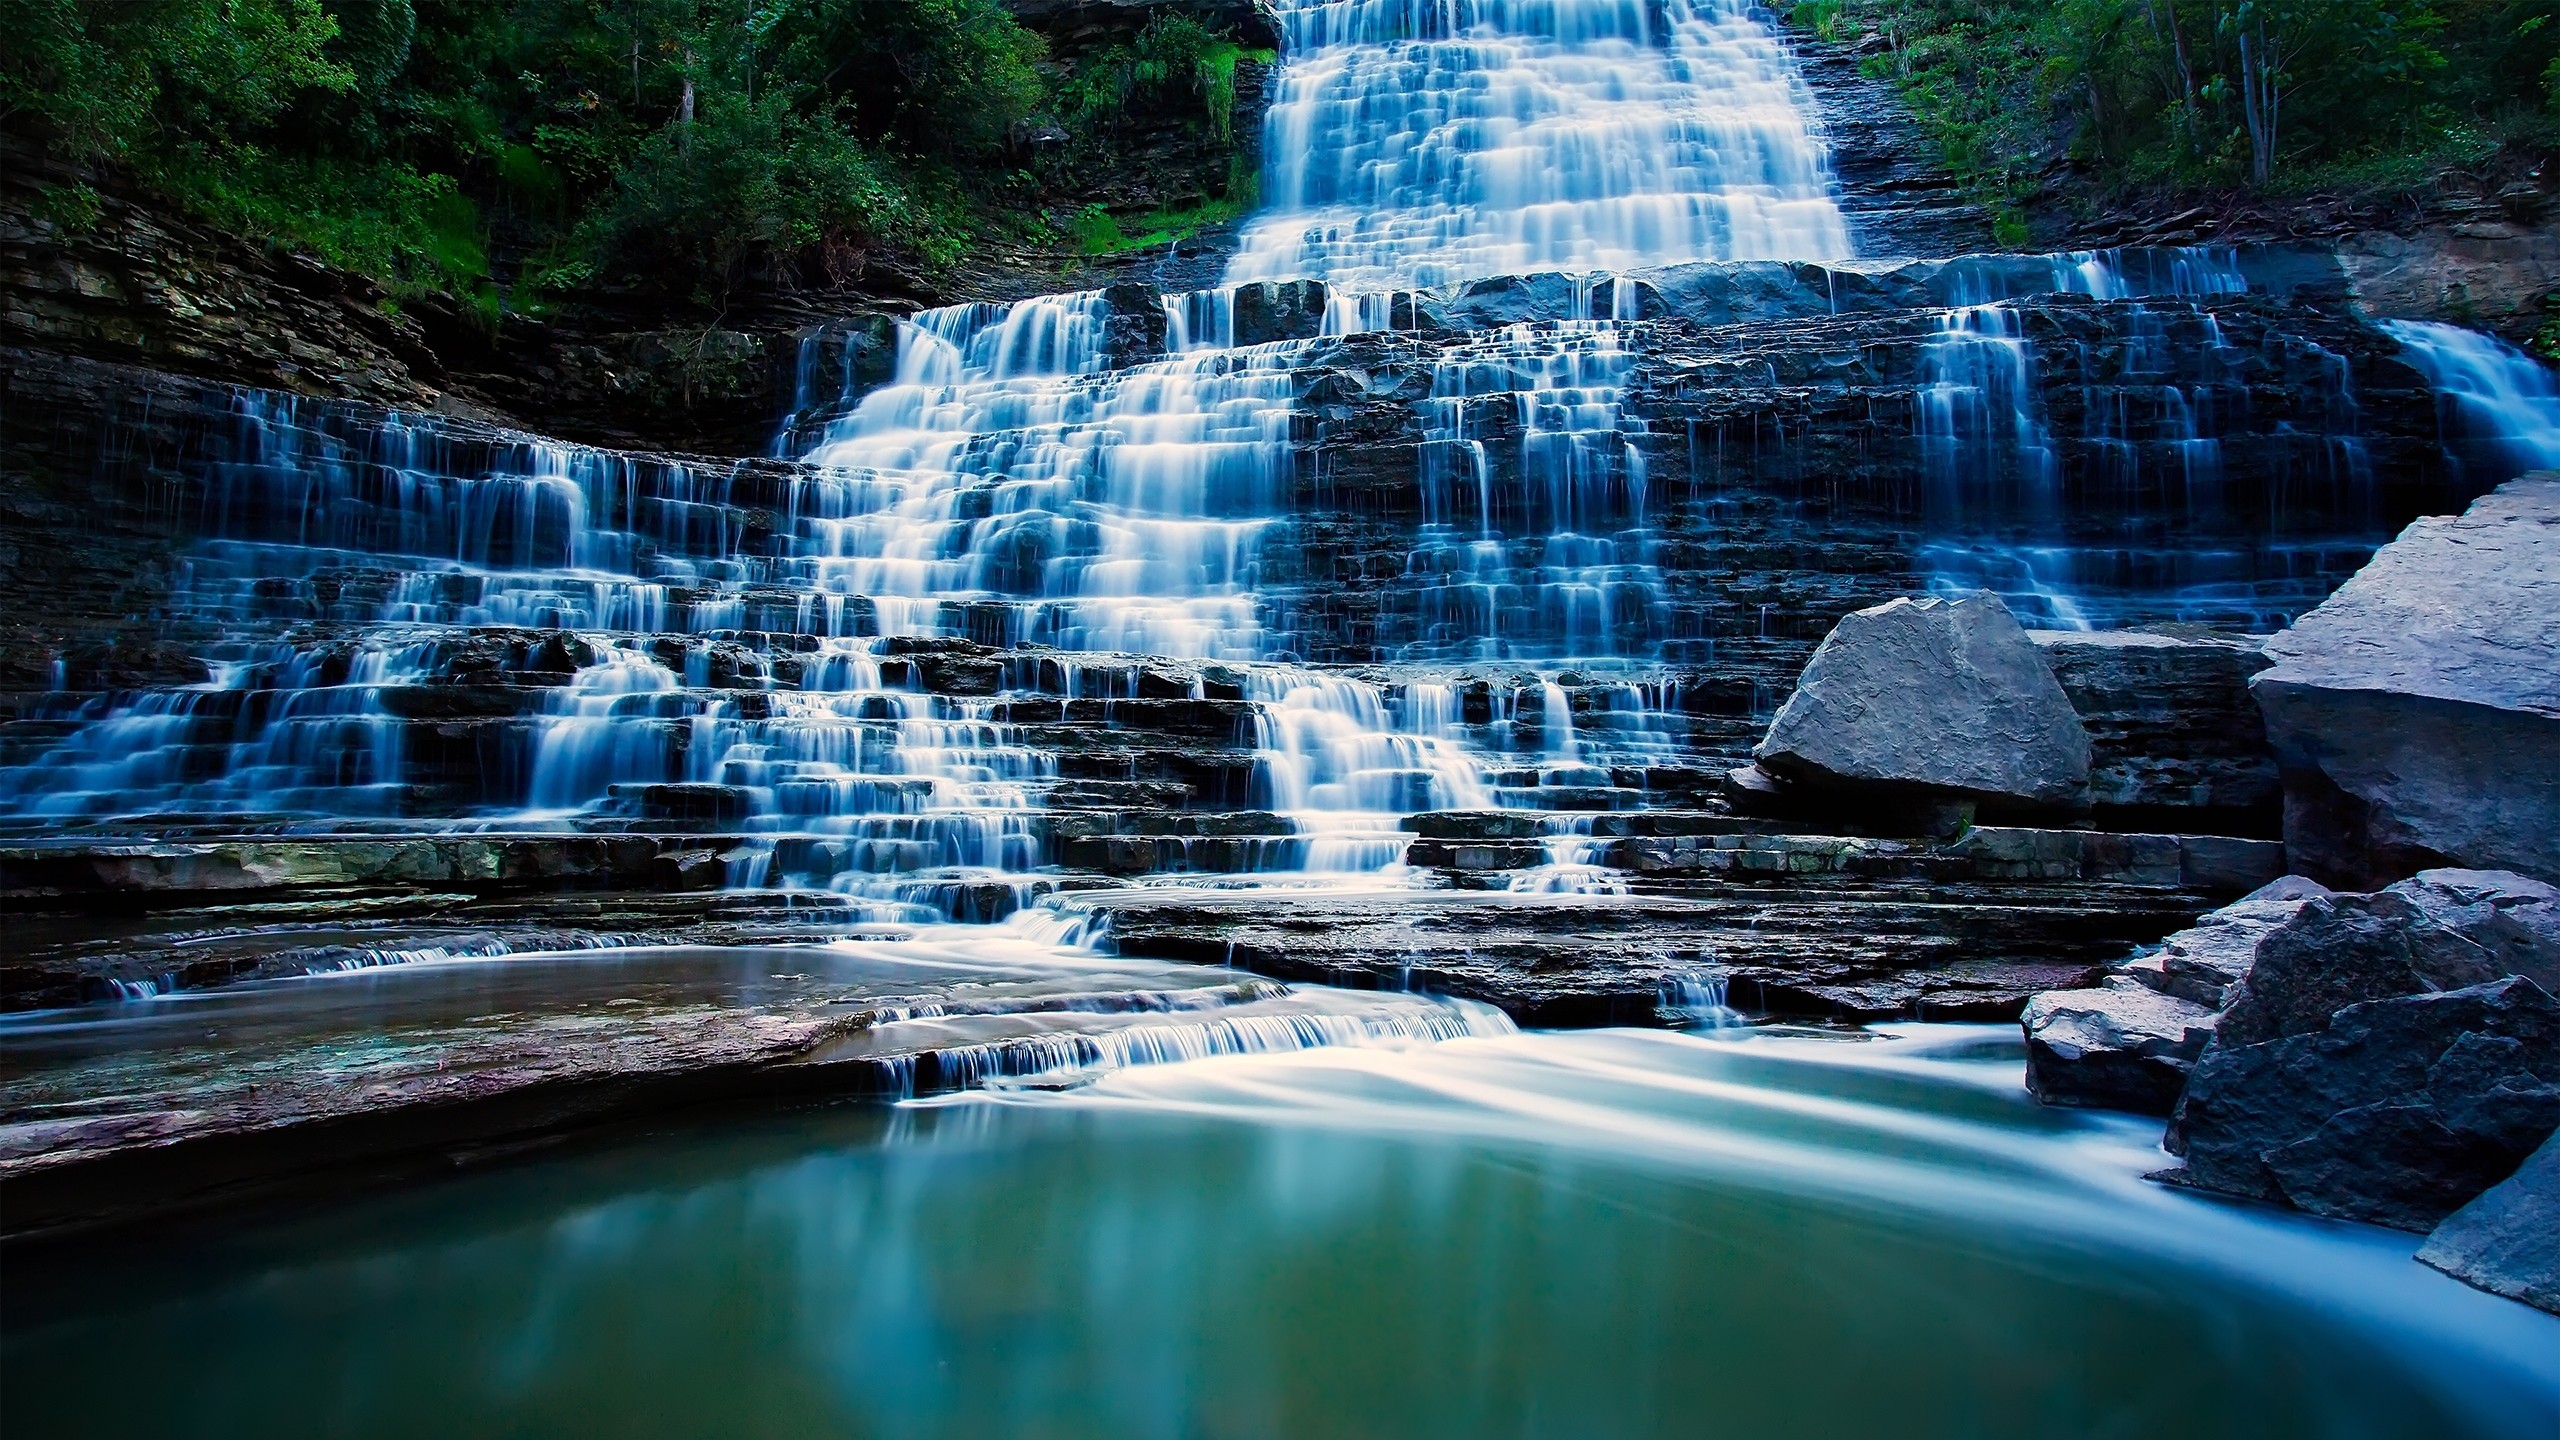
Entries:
{"x":1099,"y":232}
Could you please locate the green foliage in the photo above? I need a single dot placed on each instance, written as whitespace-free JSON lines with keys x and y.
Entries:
{"x":106,"y":73}
{"x":379,"y":218}
{"x":532,"y":147}
{"x":1174,"y":61}
{"x":935,"y":77}
{"x":2289,"y":94}
{"x":749,"y":178}
{"x":76,"y":208}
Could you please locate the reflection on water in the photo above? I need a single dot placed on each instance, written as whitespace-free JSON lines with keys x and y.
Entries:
{"x":1596,"y":1234}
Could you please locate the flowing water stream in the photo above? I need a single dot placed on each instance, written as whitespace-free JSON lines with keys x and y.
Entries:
{"x":1604,"y":1234}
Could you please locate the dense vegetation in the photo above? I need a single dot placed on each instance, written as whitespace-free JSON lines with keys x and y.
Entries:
{"x":2281,"y":96}
{"x":505,"y":150}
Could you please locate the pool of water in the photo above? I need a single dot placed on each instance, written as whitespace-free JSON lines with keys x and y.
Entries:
{"x":1591,"y":1234}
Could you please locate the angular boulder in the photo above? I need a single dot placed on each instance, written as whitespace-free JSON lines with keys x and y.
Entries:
{"x":2442,"y":930}
{"x":2416,"y":713}
{"x":2507,"y":1242}
{"x":2386,"y":1057}
{"x":2206,"y":962}
{"x":2129,"y":1042}
{"x":1945,"y":697}
{"x":2397,"y":1112}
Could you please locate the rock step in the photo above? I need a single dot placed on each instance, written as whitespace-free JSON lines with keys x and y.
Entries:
{"x":428,"y":1078}
{"x":1953,"y":953}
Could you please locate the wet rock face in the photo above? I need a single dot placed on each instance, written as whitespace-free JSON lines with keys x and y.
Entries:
{"x":416,"y":1071}
{"x":2397,"y":1112}
{"x":2175,"y":737}
{"x":2416,"y":712}
{"x":1783,"y":938}
{"x":2507,"y":1242}
{"x":1943,"y":696}
{"x":1896,"y":192}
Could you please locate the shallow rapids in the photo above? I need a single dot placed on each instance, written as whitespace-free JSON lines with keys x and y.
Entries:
{"x":1598,"y":1234}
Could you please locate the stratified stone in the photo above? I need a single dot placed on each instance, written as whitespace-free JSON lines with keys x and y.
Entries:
{"x":2416,"y":712}
{"x":2507,"y":1242}
{"x":2174,"y":736}
{"x":1945,"y":696}
{"x":2121,"y":1046}
{"x":2398,"y":1112}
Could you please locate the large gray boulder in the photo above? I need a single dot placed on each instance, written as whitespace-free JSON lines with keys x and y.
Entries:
{"x":2129,"y":1042}
{"x":1945,"y":697}
{"x":2416,"y":712}
{"x":2507,"y":1242}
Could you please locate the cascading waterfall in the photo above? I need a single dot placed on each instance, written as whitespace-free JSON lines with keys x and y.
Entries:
{"x":2489,"y":393}
{"x":1418,"y":142}
{"x":732,"y":648}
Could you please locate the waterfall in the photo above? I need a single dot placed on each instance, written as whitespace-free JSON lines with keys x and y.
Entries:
{"x":1418,"y":142}
{"x":414,"y":620}
{"x":2487,"y":391}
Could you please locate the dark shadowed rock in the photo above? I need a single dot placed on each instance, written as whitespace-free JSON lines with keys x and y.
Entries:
{"x":2346,"y":950}
{"x":2416,"y":712}
{"x":1937,"y":695}
{"x":1279,"y":310}
{"x":2443,"y":930}
{"x":2397,"y":1112}
{"x":2206,"y":964}
{"x":2507,"y":1242}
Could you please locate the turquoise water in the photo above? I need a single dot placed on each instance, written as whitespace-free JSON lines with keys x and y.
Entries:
{"x":1595,"y":1234}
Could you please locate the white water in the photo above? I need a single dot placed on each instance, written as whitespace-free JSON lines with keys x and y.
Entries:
{"x":1419,"y":142}
{"x":2487,"y":390}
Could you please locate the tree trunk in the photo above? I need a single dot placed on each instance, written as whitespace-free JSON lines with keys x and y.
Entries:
{"x":2256,"y":97}
{"x":2189,"y":106}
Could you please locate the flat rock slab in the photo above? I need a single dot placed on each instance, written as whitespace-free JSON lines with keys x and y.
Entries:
{"x":2416,"y":712}
{"x":2129,"y":1042}
{"x":112,"y":1111}
{"x":1561,"y":960}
